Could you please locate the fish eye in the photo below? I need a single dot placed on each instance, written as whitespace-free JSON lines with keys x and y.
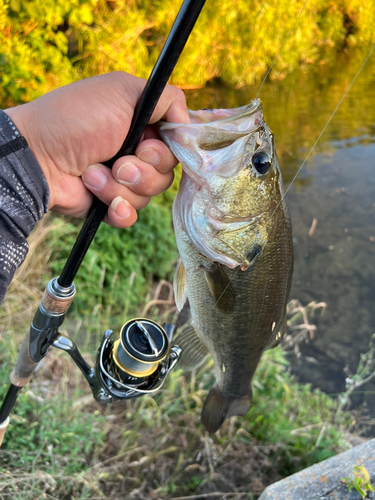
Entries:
{"x":261,"y":162}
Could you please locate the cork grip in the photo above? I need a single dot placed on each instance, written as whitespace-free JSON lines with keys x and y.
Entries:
{"x":55,"y":304}
{"x":25,"y":366}
{"x":3,"y":428}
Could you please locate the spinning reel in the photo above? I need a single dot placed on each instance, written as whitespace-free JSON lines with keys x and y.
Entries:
{"x":135,"y":363}
{"x":138,"y":362}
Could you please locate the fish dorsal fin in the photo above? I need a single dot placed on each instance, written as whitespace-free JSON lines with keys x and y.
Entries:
{"x":220,"y":288}
{"x":194,"y":352}
{"x":179,"y":285}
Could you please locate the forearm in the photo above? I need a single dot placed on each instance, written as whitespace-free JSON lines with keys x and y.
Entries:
{"x":23,"y":199}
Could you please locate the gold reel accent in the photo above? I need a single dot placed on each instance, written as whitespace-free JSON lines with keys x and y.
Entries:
{"x":137,"y":374}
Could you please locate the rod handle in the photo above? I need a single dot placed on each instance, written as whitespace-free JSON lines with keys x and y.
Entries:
{"x":25,"y":366}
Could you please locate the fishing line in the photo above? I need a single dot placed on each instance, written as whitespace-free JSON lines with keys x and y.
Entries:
{"x":311,"y":150}
{"x":277,"y":55}
{"x":324,"y":128}
{"x":260,"y":88}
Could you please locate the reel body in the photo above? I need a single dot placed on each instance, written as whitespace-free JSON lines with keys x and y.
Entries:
{"x":138,"y":362}
{"x":130,"y":365}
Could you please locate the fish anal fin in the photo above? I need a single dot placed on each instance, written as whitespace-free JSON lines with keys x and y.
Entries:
{"x":179,"y":285}
{"x":218,"y":407}
{"x":220,"y":287}
{"x":194,"y":352}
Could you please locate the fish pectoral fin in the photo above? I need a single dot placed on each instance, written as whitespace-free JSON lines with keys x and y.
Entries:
{"x":194,"y":352}
{"x":184,"y":316}
{"x":179,"y":285}
{"x":254,"y":253}
{"x":220,"y":287}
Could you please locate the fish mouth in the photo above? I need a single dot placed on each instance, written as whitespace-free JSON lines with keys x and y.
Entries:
{"x":214,"y":141}
{"x":212,"y":151}
{"x":235,"y":120}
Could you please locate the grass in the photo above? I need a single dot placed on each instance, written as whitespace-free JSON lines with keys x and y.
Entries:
{"x":61,"y":444}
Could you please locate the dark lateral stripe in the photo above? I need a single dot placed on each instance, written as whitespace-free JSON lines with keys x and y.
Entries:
{"x":13,"y":146}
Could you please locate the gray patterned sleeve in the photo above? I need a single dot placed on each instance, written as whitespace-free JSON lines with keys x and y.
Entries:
{"x":23,"y":199}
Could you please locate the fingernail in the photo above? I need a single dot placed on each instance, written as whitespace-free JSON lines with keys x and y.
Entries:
{"x":128,"y":174}
{"x":93,"y":177}
{"x":121,"y":207}
{"x":149,"y":156}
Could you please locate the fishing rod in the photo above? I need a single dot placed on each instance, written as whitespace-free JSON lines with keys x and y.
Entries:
{"x":139,"y":359}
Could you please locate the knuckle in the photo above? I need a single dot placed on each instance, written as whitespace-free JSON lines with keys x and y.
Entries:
{"x":143,"y":202}
{"x":181,"y":96}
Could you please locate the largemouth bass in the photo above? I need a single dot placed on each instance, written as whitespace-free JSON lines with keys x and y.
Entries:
{"x":233,"y":234}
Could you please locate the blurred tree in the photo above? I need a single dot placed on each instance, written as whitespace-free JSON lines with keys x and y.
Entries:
{"x":48,"y":43}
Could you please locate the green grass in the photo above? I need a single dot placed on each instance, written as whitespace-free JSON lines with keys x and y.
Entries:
{"x":120,"y":266}
{"x":62,"y":444}
{"x":157,"y":444}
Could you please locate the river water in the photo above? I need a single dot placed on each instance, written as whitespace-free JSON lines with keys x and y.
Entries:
{"x":336,"y":264}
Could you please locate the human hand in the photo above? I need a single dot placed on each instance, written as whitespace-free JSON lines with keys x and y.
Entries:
{"x":73,"y":129}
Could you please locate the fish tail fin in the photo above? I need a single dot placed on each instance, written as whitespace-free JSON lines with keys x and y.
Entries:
{"x":218,"y":407}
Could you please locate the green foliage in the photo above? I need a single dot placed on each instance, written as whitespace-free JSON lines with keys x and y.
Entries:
{"x":297,"y":423}
{"x":47,"y":43}
{"x":290,"y":414}
{"x":34,"y":45}
{"x":365,"y":373}
{"x":120,"y":264}
{"x":45,"y":434}
{"x":360,"y":481}
{"x":293,"y":426}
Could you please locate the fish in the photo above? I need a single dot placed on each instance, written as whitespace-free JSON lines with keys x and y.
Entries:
{"x":233,"y":234}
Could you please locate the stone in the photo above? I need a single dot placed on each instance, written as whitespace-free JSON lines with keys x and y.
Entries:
{"x":322,"y":481}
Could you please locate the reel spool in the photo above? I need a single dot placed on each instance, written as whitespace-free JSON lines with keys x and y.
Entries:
{"x":137,"y":362}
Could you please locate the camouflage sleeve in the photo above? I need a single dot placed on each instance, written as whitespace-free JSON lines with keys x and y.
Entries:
{"x":23,"y":199}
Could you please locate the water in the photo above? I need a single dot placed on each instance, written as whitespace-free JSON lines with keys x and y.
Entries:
{"x":337,"y":187}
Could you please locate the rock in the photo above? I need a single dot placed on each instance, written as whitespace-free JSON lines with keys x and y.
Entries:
{"x":322,"y":481}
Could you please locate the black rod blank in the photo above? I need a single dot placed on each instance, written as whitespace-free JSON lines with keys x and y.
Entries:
{"x":156,"y":83}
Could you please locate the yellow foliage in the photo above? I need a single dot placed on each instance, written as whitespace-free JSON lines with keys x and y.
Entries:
{"x":45,"y":43}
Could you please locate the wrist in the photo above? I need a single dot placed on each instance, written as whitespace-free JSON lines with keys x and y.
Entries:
{"x":25,"y":192}
{"x":23,"y":119}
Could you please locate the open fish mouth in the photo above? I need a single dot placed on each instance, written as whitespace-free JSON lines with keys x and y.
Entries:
{"x":215,"y":139}
{"x":218,"y":185}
